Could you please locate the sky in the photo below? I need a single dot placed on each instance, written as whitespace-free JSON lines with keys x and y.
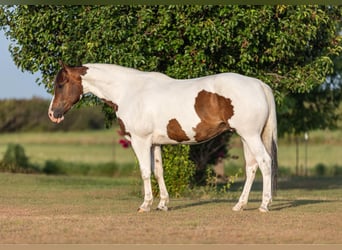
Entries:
{"x":15,"y":84}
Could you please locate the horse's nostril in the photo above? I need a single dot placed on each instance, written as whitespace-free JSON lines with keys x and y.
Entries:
{"x":57,"y":114}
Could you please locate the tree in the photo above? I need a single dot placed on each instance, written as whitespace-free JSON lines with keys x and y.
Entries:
{"x":289,"y":47}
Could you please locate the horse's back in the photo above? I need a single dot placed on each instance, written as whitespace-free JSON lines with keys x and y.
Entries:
{"x":213,"y":103}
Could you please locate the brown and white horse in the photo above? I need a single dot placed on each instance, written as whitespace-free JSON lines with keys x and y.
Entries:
{"x":154,"y":109}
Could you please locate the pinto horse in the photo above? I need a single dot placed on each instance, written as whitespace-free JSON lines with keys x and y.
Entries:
{"x":153,"y":109}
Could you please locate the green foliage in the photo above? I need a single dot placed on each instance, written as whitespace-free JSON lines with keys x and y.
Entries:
{"x":337,"y":170}
{"x":15,"y":160}
{"x":212,"y":185}
{"x":289,"y":47}
{"x":320,"y":169}
{"x":31,"y":115}
{"x":303,"y":112}
{"x":178,"y":170}
{"x":109,"y":169}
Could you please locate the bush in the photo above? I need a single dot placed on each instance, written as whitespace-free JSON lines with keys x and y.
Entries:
{"x":109,"y":169}
{"x":15,"y":160}
{"x":53,"y":167}
{"x":284,"y":172}
{"x":178,"y":170}
{"x":337,"y":170}
{"x":320,"y":169}
{"x":31,"y":115}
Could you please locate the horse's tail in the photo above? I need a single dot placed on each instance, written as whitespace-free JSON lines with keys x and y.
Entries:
{"x":269,"y":136}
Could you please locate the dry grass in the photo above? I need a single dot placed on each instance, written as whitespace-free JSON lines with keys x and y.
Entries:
{"x":48,"y":209}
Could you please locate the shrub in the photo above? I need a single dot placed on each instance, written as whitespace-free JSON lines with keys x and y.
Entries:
{"x":178,"y":170}
{"x":109,"y":169}
{"x":15,"y":160}
{"x":284,"y":172}
{"x":337,"y":170}
{"x":53,"y":167}
{"x":320,"y":169}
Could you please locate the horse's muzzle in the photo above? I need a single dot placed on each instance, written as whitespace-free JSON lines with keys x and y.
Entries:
{"x":55,"y":116}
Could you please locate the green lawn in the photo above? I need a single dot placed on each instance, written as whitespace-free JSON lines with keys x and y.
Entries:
{"x":323,"y":147}
{"x":102,"y":146}
{"x":86,"y":146}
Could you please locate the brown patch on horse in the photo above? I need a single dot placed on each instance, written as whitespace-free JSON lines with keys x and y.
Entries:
{"x":111,"y":104}
{"x":214,"y":111}
{"x":175,"y":131}
{"x":123,"y":131}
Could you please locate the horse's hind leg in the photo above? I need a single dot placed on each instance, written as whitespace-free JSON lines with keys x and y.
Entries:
{"x":251,"y":168}
{"x":158,"y":173}
{"x":257,"y":148}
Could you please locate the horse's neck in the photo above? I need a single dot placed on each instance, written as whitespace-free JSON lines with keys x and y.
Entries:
{"x":106,"y":81}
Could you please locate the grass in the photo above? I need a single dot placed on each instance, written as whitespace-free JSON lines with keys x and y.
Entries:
{"x":90,"y":146}
{"x":88,"y":209}
{"x":58,"y":209}
{"x":324,"y":147}
{"x":96,"y":147}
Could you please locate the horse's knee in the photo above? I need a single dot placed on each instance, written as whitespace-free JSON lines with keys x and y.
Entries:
{"x":145,"y":173}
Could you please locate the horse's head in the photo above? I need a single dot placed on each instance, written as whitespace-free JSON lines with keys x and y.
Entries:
{"x":68,"y":90}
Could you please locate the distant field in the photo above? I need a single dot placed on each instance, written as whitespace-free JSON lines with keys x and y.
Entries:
{"x":39,"y":209}
{"x":86,"y":146}
{"x":102,"y":146}
{"x":323,"y":147}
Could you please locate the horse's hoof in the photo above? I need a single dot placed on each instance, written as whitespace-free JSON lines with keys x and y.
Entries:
{"x":142,"y":210}
{"x":163,"y":208}
{"x":263,"y":209}
{"x":238,"y":207}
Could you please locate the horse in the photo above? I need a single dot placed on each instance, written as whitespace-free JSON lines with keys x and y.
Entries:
{"x":153,"y":109}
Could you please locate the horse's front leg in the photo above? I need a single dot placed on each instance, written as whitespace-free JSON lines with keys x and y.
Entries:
{"x":159,"y":174}
{"x":142,"y":149}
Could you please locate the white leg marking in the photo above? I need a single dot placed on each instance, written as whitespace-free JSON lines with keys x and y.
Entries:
{"x":265,"y":167}
{"x":251,"y":168}
{"x":261,"y":156}
{"x":142,"y":149}
{"x":159,"y":174}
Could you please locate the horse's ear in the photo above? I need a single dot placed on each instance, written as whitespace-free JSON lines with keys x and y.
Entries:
{"x":64,"y":66}
{"x":61,"y":63}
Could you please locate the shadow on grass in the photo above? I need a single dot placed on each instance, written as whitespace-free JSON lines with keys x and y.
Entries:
{"x":304,"y":183}
{"x":297,"y":182}
{"x":284,"y":204}
{"x":278,"y":206}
